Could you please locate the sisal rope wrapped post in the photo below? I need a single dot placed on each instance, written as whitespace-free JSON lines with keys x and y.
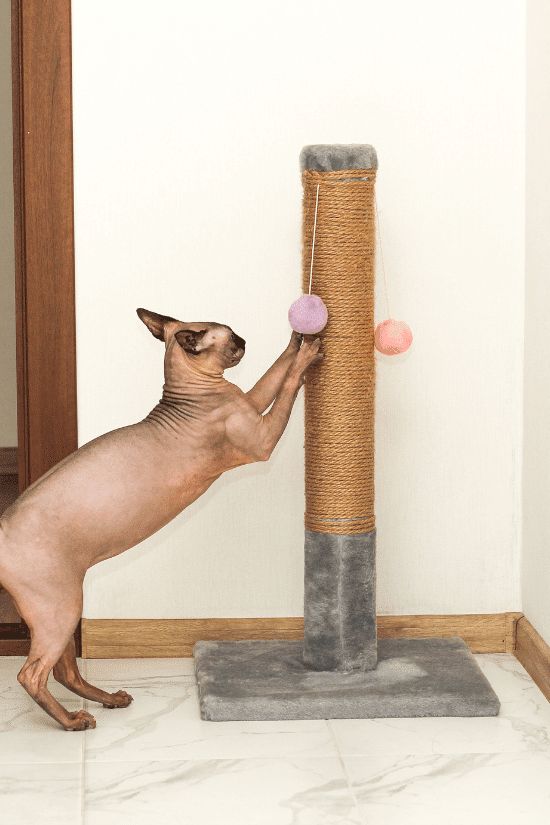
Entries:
{"x":339,"y":593}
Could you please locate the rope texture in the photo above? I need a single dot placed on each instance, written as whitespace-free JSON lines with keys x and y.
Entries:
{"x":339,"y":392}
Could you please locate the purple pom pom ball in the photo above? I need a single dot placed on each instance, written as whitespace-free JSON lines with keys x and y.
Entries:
{"x":308,"y":315}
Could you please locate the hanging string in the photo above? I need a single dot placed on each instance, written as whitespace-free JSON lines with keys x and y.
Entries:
{"x":391,"y":337}
{"x":381,"y":253}
{"x":313,"y":243}
{"x":379,"y":245}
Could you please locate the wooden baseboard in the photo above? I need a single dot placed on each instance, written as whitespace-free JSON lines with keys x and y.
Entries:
{"x":166,"y":638}
{"x":534,"y":654}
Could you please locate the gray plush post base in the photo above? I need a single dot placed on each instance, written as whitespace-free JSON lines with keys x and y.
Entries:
{"x":266,"y":680}
{"x":340,"y":601}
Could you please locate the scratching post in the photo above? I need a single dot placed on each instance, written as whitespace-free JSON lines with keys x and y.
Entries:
{"x":340,"y":670}
{"x":339,"y":593}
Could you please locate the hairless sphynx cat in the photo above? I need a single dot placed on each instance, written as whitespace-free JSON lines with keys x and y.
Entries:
{"x":122,"y":487}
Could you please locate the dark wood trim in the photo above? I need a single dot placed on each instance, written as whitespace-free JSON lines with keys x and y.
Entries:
{"x":44,"y":237}
{"x":14,"y":647}
{"x":8,"y":461}
{"x":19,"y":226}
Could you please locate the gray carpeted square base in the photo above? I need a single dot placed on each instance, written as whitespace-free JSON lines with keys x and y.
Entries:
{"x":266,"y":680}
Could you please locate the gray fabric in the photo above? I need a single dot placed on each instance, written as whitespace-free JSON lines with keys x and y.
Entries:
{"x":340,"y":601}
{"x":331,"y":157}
{"x":266,"y":680}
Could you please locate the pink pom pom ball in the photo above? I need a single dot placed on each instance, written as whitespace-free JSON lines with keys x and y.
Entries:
{"x":308,"y":315}
{"x":392,"y":337}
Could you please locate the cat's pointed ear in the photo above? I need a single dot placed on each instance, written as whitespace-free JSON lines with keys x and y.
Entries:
{"x":155,"y":322}
{"x":190,"y":340}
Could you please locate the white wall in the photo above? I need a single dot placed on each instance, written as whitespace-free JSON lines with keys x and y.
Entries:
{"x":8,"y":391}
{"x":536,"y":481}
{"x":188,"y":122}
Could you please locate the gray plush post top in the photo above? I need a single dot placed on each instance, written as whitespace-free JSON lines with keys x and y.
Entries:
{"x":331,"y":157}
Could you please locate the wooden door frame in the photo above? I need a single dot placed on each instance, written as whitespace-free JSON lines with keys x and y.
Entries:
{"x":44,"y":236}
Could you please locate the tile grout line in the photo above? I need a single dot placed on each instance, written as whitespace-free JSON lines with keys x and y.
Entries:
{"x":83,"y":667}
{"x":83,"y":779}
{"x":346,"y":774}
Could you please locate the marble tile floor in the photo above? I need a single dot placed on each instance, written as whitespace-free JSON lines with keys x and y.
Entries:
{"x":157,"y":762}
